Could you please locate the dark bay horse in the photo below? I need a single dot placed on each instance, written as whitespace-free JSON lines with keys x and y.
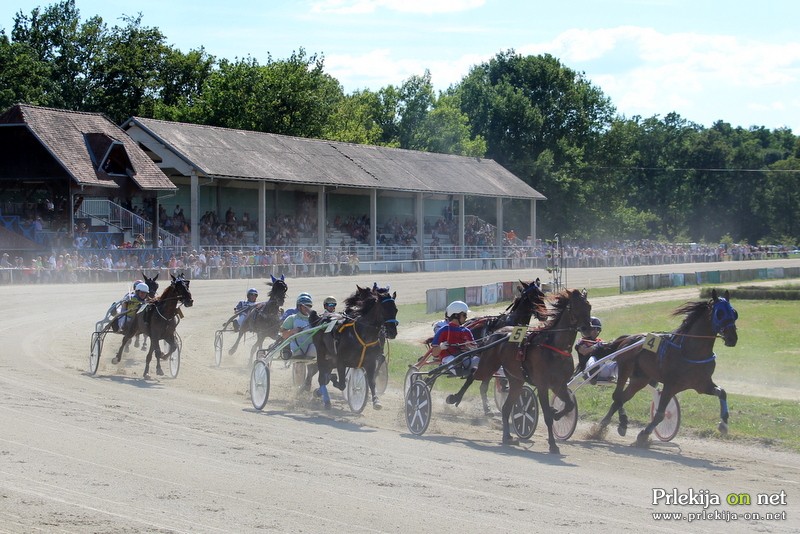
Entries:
{"x":355,"y":341}
{"x":152,"y":286}
{"x":264,"y":318}
{"x":530,"y":302}
{"x":543,"y":359}
{"x":681,"y":360}
{"x":158,"y":322}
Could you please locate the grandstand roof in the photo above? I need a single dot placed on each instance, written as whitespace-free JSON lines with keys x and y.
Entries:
{"x":258,"y":156}
{"x":90,"y":148}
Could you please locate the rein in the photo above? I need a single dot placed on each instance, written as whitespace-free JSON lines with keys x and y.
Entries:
{"x":364,"y":344}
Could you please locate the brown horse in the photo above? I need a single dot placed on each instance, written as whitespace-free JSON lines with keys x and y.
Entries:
{"x":681,"y":360}
{"x":543,"y":359}
{"x":263,"y":319}
{"x":158,"y":321}
{"x":529,"y":303}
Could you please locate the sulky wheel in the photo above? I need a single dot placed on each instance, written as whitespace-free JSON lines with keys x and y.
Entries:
{"x":411,"y":375}
{"x":564,"y":427}
{"x":668,"y":428}
{"x":525,"y":413}
{"x":418,"y":407}
{"x":175,"y":357}
{"x":95,"y":349}
{"x":356,"y":388}
{"x":218,"y":348}
{"x":381,"y":376}
{"x":501,"y":392}
{"x":259,"y":384}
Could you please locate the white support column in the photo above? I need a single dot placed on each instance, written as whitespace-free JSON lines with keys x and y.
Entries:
{"x":195,"y":210}
{"x":499,"y":235}
{"x":373,"y":222}
{"x":533,"y":222}
{"x":461,"y":226}
{"x":262,"y":214}
{"x":420,"y":212}
{"x":321,"y":214}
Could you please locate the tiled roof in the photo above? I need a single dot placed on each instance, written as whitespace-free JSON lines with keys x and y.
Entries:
{"x":246,"y":155}
{"x":64,"y":134}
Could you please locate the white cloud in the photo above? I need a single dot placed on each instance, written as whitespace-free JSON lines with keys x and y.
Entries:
{"x":402,"y":6}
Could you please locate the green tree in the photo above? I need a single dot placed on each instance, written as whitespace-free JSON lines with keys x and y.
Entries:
{"x":180,"y":80}
{"x":23,"y":76}
{"x":353,"y":120}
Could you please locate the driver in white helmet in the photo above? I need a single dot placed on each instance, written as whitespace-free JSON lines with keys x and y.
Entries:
{"x":129,"y":305}
{"x":301,"y":346}
{"x":244,"y":306}
{"x":454,"y":338}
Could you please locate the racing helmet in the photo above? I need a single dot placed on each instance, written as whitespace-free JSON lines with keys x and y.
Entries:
{"x":456,"y":307}
{"x":252,"y":291}
{"x":329,"y":300}
{"x":141,"y":286}
{"x":595,"y":323}
{"x":136,"y":283}
{"x":305,"y":300}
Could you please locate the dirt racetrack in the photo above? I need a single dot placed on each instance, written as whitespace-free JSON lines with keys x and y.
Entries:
{"x":116,"y":453}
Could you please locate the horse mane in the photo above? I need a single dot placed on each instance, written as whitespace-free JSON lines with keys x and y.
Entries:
{"x":558,"y":303}
{"x":693,"y":311}
{"x":359,"y":302}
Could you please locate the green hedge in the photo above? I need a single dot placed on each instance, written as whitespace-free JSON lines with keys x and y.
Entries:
{"x":787,"y":292}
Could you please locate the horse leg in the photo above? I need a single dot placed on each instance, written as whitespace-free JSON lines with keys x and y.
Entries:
{"x":322,"y":380}
{"x":455,"y":398}
{"x":153,"y":346}
{"x":341,"y":369}
{"x":256,"y":346}
{"x":312,"y":368}
{"x":622,"y":428}
{"x":376,"y":403}
{"x":643,"y":439}
{"x":713,"y":389}
{"x":514,"y":389}
{"x":547,"y":412}
{"x":125,"y":339}
{"x":484,"y":390}
{"x":236,"y":343}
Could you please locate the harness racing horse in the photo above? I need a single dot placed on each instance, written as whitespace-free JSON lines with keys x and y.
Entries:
{"x":159,"y":320}
{"x":264,"y":318}
{"x":152,"y":286}
{"x":543,"y":359}
{"x":355,"y":341}
{"x":681,"y":360}
{"x":530,"y":302}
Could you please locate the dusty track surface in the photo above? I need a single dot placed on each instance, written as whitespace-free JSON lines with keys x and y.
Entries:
{"x":117,"y":453}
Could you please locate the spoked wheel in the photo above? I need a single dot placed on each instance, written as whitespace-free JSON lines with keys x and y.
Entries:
{"x":525,"y":412}
{"x":175,"y":357}
{"x":382,"y":376}
{"x":259,"y":384}
{"x":668,"y":428}
{"x":501,"y":392}
{"x":218,"y":348}
{"x":409,"y":377}
{"x":95,"y":348}
{"x":356,"y":388}
{"x":565,"y":427}
{"x":299,"y":371}
{"x":418,"y":407}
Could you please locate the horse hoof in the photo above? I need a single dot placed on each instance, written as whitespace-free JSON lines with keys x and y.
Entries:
{"x":115,"y":360}
{"x":160,"y":372}
{"x":377,"y":405}
{"x":146,"y":376}
{"x":452,"y":399}
{"x":510,"y":441}
{"x":327,"y":405}
{"x":643,"y":441}
{"x":554,"y":449}
{"x":622,"y":430}
{"x":231,"y":351}
{"x":723,"y":427}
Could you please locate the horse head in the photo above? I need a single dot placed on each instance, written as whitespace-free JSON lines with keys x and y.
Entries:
{"x":181,"y":288}
{"x":151,"y":284}
{"x":278,"y":289}
{"x":580,"y":310}
{"x":532,"y":297}
{"x":723,"y":318}
{"x":388,"y":308}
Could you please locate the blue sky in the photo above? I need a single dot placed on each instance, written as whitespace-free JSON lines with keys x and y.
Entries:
{"x":738,"y":61}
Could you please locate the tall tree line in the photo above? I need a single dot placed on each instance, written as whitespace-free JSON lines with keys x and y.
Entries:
{"x":607,"y":177}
